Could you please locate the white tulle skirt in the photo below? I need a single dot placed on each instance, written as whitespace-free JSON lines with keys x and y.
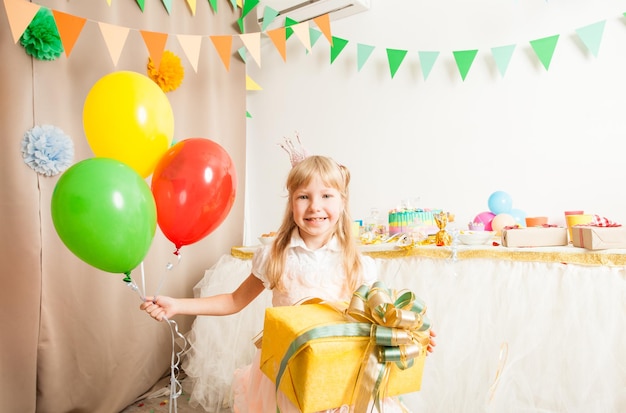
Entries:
{"x":512,"y":336}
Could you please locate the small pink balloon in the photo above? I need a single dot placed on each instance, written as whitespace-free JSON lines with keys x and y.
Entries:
{"x":502,"y":220}
{"x":485,"y":218}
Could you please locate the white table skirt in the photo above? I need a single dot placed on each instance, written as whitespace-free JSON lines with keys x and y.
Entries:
{"x":513,"y":336}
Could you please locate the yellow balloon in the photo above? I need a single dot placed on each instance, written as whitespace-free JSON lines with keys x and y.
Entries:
{"x":126,"y":116}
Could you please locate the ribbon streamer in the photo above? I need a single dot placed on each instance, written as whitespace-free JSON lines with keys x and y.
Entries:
{"x":504,"y":353}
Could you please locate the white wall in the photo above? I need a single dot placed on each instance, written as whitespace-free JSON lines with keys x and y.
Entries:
{"x":552,"y":139}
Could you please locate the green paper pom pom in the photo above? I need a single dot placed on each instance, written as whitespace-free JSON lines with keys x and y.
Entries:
{"x":41,"y":38}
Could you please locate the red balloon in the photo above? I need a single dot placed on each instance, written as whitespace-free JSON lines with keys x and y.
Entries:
{"x":194,"y":186}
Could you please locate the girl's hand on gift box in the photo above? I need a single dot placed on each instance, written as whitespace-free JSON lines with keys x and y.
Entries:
{"x":431,"y":344}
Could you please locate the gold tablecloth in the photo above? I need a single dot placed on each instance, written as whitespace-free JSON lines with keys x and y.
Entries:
{"x":565,"y":254}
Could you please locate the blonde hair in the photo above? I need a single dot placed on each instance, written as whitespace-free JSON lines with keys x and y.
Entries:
{"x":336,"y":176}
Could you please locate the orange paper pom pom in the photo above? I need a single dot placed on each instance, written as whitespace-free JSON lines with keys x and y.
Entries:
{"x":169,"y":75}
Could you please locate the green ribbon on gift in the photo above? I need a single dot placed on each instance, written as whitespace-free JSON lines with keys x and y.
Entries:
{"x":398,"y":331}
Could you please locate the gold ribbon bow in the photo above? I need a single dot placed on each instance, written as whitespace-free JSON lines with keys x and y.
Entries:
{"x":399,"y":334}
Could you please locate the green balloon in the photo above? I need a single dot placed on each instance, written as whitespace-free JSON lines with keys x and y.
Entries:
{"x":104,"y":212}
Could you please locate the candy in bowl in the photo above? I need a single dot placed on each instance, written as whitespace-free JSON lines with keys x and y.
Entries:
{"x":267,"y":238}
{"x":475,"y":237}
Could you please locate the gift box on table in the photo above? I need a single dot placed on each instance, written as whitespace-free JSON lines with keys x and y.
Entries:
{"x":322,"y":372}
{"x":598,"y":238}
{"x":547,"y":236}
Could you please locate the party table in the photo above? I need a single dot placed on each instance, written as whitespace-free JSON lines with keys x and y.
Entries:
{"x":518,"y":329}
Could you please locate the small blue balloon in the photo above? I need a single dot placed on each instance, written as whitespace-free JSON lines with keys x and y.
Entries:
{"x":500,"y":203}
{"x":519,"y":215}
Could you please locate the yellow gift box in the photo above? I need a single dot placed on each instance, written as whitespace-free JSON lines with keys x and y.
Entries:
{"x":323,"y":373}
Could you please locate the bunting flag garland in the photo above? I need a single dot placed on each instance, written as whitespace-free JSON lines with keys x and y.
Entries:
{"x":191,"y":46}
{"x":269,"y":15}
{"x":280,"y":42}
{"x":363,"y":52}
{"x":591,"y":36}
{"x":20,"y":13}
{"x":155,"y":42}
{"x":427,"y":60}
{"x":323,"y":23}
{"x":168,"y":5}
{"x":69,"y":27}
{"x":223,"y":45}
{"x":251,"y":84}
{"x":302,"y":33}
{"x":464,"y":60}
{"x":252,"y":43}
{"x":337,"y":45}
{"x":114,"y":38}
{"x":502,"y":55}
{"x":544,"y":49}
{"x":395,"y":58}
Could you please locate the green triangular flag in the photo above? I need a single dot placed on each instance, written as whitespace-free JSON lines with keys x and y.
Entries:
{"x":242,"y":53}
{"x":544,"y":49}
{"x":464,"y":60}
{"x":269,"y":15}
{"x":141,"y":4}
{"x":336,"y":48}
{"x":591,"y":36}
{"x":427,"y":60}
{"x":363,"y":53}
{"x":289,"y":22}
{"x":502,"y":55}
{"x":248,"y":5}
{"x":395,"y":58}
{"x":248,"y":115}
{"x":168,"y":5}
{"x":242,"y":27}
{"x":213,"y":4}
{"x":314,"y":34}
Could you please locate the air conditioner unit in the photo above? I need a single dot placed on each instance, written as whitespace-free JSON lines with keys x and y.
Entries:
{"x":303,"y":10}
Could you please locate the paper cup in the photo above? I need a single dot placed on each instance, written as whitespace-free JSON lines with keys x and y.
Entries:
{"x":536,"y":221}
{"x":577,"y":219}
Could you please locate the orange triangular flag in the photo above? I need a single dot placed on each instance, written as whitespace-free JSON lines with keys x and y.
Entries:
{"x":323,"y":23}
{"x":191,"y":46}
{"x":115,"y":38}
{"x":252,"y":41}
{"x":155,"y":42}
{"x":223,"y":45}
{"x":69,"y":27}
{"x":280,"y":40}
{"x":20,"y":14}
{"x":192,"y":6}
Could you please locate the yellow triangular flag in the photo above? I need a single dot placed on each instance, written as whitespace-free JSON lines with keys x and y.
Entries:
{"x":115,"y":38}
{"x":251,"y":84}
{"x":223,"y":45}
{"x":323,"y":23}
{"x":191,"y":46}
{"x":20,"y":14}
{"x":155,"y":42}
{"x":192,"y":6}
{"x":280,"y":41}
{"x":301,"y":30}
{"x":252,"y":41}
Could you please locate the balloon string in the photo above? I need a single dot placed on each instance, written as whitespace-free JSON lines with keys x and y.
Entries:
{"x":168,"y":267}
{"x":504,"y":352}
{"x":176,"y":388}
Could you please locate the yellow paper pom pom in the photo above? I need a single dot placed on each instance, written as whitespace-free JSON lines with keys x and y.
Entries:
{"x":169,"y":75}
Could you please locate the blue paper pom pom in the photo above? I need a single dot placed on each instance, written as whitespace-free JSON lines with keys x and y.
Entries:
{"x":47,"y":149}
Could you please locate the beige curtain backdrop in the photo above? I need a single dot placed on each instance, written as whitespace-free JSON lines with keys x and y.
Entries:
{"x":73,"y":338}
